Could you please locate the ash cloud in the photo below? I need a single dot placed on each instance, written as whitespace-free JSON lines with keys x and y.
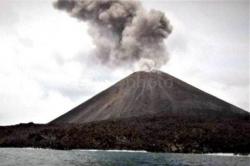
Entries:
{"x":123,"y":31}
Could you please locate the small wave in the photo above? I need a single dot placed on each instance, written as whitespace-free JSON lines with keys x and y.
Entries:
{"x":114,"y":150}
{"x":34,"y":148}
{"x":227,"y":154}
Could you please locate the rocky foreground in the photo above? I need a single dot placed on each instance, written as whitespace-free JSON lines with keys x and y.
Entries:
{"x":160,"y":133}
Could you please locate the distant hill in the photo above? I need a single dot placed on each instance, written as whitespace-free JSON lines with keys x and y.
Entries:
{"x":150,"y":93}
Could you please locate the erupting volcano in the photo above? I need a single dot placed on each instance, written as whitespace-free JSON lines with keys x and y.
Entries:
{"x":151,"y":111}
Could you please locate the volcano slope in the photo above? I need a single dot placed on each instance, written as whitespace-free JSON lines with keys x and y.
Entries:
{"x":145,"y":111}
{"x":150,"y":93}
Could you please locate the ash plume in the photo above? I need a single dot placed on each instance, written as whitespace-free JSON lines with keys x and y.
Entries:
{"x":123,"y":31}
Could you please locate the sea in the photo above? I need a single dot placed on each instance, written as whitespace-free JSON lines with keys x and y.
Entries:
{"x":48,"y":157}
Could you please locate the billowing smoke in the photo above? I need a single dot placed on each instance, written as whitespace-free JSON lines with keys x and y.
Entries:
{"x":123,"y":31}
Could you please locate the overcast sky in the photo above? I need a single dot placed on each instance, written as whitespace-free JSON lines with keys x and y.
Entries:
{"x":45,"y":71}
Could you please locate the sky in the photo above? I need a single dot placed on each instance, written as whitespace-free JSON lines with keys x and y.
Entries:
{"x":44,"y":55}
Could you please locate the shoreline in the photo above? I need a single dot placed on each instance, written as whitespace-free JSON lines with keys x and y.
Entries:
{"x":130,"y":151}
{"x":151,"y":134}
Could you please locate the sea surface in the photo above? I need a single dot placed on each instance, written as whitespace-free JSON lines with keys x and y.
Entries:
{"x":47,"y":157}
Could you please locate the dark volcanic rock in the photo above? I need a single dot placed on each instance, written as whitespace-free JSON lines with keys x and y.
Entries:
{"x":161,"y":133}
{"x":149,"y":93}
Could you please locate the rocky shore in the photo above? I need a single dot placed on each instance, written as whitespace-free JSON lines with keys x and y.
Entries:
{"x":155,"y":134}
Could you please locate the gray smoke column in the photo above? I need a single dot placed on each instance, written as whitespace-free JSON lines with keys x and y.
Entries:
{"x":123,"y":31}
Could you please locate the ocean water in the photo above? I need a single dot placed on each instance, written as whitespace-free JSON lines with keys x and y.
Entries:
{"x":46,"y":157}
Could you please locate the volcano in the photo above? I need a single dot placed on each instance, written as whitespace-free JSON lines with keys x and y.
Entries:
{"x":148,"y":94}
{"x":150,"y":111}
